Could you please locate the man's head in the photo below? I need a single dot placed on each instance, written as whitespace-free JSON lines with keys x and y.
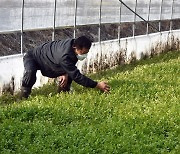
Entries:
{"x":82,"y":45}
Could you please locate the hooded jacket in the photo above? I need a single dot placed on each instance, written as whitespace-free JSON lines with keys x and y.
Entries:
{"x":57,"y":58}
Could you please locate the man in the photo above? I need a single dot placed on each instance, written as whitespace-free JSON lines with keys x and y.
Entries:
{"x":57,"y":59}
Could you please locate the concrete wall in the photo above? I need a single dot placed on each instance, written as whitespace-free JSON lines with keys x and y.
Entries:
{"x":12,"y":67}
{"x":137,"y":46}
{"x":105,"y":53}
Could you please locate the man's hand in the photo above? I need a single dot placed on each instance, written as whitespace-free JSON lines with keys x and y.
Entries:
{"x":103,"y":86}
{"x":63,"y":79}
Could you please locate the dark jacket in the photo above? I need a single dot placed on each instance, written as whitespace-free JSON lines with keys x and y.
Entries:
{"x":57,"y":58}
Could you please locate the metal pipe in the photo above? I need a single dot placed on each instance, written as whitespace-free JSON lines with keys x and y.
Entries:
{"x":172,"y":12}
{"x":54,"y":20}
{"x":149,"y":10}
{"x":75,"y":18}
{"x":99,"y":33}
{"x":160,"y":16}
{"x":119,"y":27}
{"x":138,"y":15}
{"x":100,"y":14}
{"x":22,"y":26}
{"x":134,"y":19}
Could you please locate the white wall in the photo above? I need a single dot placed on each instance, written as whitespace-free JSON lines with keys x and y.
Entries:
{"x":13,"y":65}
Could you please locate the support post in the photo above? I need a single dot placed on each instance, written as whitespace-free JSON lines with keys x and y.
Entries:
{"x":100,"y":13}
{"x":160,"y":16}
{"x":22,"y":26}
{"x":172,"y":13}
{"x":54,"y":20}
{"x":171,"y":25}
{"x":119,"y":27}
{"x":149,"y":11}
{"x":75,"y":18}
{"x":134,"y":19}
{"x":99,"y":33}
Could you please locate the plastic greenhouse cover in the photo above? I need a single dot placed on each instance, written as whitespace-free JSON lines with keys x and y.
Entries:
{"x":40,"y":13}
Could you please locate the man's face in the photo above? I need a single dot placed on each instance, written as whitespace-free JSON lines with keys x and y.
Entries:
{"x":81,"y":51}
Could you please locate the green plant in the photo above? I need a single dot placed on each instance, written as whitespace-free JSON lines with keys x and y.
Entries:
{"x":140,"y":115}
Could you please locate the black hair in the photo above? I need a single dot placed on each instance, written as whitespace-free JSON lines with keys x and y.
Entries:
{"x":82,"y":42}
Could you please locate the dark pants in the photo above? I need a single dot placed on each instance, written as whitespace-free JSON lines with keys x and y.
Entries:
{"x":29,"y":77}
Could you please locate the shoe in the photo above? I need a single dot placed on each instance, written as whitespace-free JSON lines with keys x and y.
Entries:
{"x":25,"y":92}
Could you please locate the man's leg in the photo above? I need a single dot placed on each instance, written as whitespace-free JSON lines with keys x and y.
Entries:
{"x":29,"y":77}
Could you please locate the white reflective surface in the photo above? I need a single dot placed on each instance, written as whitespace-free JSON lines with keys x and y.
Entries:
{"x":39,"y":13}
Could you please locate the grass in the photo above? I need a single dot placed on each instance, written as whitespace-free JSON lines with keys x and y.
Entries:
{"x":140,"y":115}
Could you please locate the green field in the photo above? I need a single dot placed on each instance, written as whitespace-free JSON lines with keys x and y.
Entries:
{"x":140,"y":115}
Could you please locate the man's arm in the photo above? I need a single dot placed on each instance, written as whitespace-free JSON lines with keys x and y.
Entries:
{"x":72,"y":71}
{"x":103,"y":86}
{"x":75,"y":75}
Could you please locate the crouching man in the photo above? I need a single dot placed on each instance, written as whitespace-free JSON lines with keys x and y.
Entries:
{"x":58,"y":59}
